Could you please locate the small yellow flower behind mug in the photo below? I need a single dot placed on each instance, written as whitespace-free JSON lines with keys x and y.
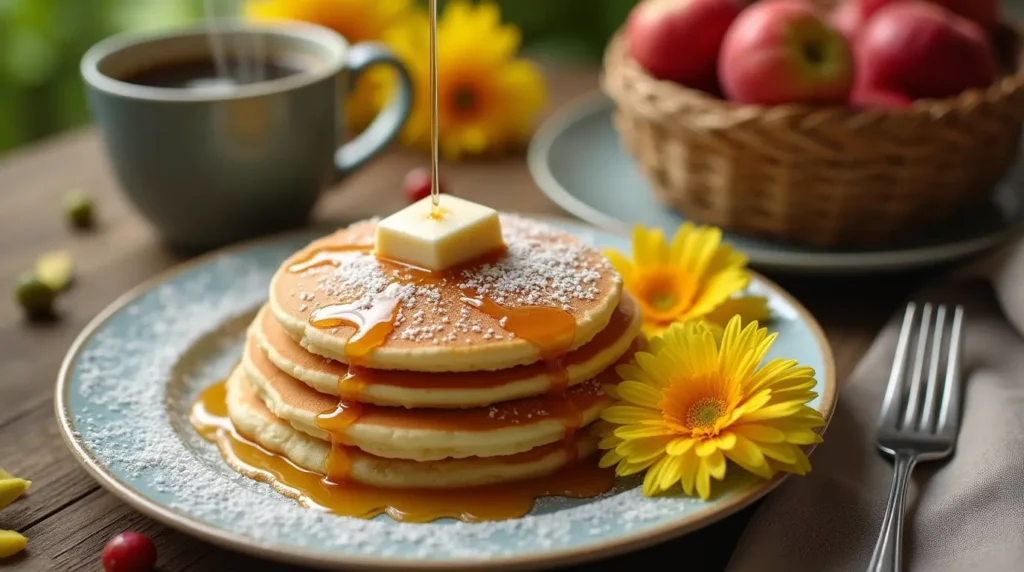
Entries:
{"x":689,"y":406}
{"x":695,"y":277}
{"x":488,"y":97}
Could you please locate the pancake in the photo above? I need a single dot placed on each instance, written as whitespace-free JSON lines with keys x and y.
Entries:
{"x":547,"y":294}
{"x":453,"y":389}
{"x":256,"y":423}
{"x":430,"y":434}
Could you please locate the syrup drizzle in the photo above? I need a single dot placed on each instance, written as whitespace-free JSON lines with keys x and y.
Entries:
{"x":322,"y":257}
{"x":360,"y":377}
{"x":470,"y":504}
{"x":567,"y":409}
{"x":551,"y":330}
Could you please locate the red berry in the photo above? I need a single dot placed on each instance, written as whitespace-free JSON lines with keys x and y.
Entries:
{"x":417,"y":185}
{"x":129,"y":552}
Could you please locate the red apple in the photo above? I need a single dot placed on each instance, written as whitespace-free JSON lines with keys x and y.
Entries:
{"x":847,"y":18}
{"x":864,"y":98}
{"x":782,"y":51}
{"x":985,"y":13}
{"x":922,"y":51}
{"x":679,"y":40}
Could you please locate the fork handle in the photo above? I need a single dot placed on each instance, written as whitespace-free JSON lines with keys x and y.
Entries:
{"x":888,"y":549}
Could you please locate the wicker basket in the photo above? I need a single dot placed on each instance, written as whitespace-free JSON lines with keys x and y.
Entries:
{"x":827,"y":176}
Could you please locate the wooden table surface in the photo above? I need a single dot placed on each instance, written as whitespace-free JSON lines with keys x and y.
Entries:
{"x":66,"y":516}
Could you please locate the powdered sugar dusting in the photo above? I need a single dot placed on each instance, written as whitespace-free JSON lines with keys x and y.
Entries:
{"x":131,"y":386}
{"x":542,"y":268}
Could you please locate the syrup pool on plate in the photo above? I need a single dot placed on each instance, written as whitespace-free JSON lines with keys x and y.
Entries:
{"x":471,"y":504}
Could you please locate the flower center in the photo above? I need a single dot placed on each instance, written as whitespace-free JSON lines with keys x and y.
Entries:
{"x":665,"y":293}
{"x":700,"y":405}
{"x":464,"y":98}
{"x":703,"y":413}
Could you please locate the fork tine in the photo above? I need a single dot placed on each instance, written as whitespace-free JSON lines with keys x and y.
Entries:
{"x":890,"y":404}
{"x":949,"y":413}
{"x":916,"y":375}
{"x":928,"y":409}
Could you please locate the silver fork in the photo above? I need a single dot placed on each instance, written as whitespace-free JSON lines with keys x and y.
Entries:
{"x":920,"y":413}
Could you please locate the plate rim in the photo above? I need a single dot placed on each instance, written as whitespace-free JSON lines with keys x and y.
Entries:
{"x":227,"y":539}
{"x":596,"y":101}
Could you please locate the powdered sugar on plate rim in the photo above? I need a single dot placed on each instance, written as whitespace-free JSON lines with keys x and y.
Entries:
{"x":122,"y":399}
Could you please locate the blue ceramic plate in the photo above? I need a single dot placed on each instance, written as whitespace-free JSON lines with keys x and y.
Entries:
{"x":578,"y":162}
{"x":126,"y":385}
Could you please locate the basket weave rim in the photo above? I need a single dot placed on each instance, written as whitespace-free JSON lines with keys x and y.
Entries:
{"x":673,"y":97}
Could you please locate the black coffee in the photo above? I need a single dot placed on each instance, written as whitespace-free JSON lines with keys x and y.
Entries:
{"x":203,"y":72}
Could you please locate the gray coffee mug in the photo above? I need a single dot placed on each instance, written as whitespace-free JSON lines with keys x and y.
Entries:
{"x":210,"y":166}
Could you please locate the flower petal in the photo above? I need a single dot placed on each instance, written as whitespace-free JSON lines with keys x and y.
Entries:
{"x":680,"y":445}
{"x":623,"y":265}
{"x":747,"y":308}
{"x":609,"y":441}
{"x":715,"y":464}
{"x":703,"y":480}
{"x":771,"y":412}
{"x":633,"y":372}
{"x":639,"y":394}
{"x":705,"y":447}
{"x":777,"y":372}
{"x":637,"y":450}
{"x":747,"y":455}
{"x":726,"y":357}
{"x":802,"y":466}
{"x":759,"y":432}
{"x":672,"y":472}
{"x":756,"y":401}
{"x":655,"y":368}
{"x":725,"y":259}
{"x":626,"y":468}
{"x":703,"y":353}
{"x":804,"y":437}
{"x":701,"y":251}
{"x":718,"y":289}
{"x":626,"y":414}
{"x":652,"y":480}
{"x":628,"y":432}
{"x":688,"y":462}
{"x":608,"y":459}
{"x":682,"y":244}
{"x":649,"y":247}
{"x":725,"y":441}
{"x":782,"y":452}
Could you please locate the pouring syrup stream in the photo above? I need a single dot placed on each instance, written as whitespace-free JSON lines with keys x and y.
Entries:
{"x":435,"y":188}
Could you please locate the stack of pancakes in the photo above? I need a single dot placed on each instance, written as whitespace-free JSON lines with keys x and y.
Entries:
{"x":364,"y":370}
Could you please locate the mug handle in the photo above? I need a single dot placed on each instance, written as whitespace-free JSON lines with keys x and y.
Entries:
{"x":382,"y":131}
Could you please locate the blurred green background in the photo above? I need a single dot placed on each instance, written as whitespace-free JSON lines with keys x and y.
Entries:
{"x":41,"y":42}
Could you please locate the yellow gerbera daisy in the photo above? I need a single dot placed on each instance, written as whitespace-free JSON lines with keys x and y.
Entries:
{"x":695,"y":277}
{"x":356,"y":20}
{"x":487,"y":98}
{"x":689,"y":405}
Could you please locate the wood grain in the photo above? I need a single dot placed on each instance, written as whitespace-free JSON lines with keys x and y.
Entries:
{"x":66,"y":516}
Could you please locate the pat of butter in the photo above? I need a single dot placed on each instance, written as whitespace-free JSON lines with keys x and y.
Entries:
{"x":463,"y":231}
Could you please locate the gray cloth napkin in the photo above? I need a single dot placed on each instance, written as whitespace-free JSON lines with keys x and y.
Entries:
{"x":966,"y":514}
